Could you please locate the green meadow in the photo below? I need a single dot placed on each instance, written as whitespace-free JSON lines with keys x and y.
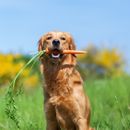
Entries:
{"x":110,"y":104}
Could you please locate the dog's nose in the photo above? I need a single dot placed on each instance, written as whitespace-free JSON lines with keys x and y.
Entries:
{"x":56,"y":43}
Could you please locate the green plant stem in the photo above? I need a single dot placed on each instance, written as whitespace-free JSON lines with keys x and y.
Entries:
{"x":22,"y":69}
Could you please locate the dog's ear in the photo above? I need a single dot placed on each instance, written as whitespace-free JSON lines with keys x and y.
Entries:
{"x":72,"y":44}
{"x":40,"y":44}
{"x":40,"y":47}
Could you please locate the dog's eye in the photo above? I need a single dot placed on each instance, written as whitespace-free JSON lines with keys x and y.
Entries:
{"x":49,"y":37}
{"x":63,"y":38}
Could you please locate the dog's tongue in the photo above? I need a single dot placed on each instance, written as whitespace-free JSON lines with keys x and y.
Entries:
{"x":55,"y":52}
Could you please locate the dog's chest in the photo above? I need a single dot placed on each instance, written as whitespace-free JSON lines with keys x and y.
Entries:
{"x":59,"y":83}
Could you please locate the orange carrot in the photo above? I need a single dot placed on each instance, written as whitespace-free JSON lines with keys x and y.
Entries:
{"x":73,"y":52}
{"x":69,"y":52}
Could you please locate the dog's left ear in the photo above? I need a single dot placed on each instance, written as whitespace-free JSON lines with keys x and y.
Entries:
{"x":72,"y":44}
{"x":70,"y":41}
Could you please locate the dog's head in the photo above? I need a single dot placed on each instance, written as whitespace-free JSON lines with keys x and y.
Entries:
{"x":56,"y":42}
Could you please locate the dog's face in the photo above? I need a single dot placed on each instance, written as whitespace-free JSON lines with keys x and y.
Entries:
{"x":56,"y":42}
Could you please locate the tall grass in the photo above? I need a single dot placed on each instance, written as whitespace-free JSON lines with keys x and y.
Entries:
{"x":110,"y":103}
{"x":11,"y":109}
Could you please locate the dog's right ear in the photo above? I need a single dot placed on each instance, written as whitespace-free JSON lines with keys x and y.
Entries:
{"x":40,"y":48}
{"x":40,"y":44}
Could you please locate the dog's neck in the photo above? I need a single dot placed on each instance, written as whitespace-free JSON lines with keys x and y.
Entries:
{"x":52,"y":68}
{"x":54,"y":71}
{"x":58,"y":75}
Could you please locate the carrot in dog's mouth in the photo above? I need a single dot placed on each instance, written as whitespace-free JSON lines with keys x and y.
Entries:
{"x":56,"y":51}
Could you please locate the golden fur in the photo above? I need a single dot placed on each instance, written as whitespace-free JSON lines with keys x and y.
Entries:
{"x":66,"y":106}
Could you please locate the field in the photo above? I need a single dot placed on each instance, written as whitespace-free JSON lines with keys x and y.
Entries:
{"x":110,"y":102}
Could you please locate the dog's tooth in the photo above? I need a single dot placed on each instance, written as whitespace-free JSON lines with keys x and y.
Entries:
{"x":55,"y":56}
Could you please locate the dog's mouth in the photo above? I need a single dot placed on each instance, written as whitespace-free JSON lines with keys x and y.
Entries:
{"x":56,"y":54}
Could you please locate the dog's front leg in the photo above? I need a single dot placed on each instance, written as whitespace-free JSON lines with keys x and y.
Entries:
{"x":81,"y":124}
{"x":51,"y":120}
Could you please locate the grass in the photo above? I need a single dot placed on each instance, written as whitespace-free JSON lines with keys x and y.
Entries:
{"x":110,"y":102}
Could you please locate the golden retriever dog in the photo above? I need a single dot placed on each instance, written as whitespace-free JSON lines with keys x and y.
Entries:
{"x":66,"y":106}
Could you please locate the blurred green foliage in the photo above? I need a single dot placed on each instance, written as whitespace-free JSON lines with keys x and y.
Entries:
{"x":101,"y":62}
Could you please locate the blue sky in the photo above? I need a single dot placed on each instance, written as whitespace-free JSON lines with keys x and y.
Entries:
{"x":102,"y":22}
